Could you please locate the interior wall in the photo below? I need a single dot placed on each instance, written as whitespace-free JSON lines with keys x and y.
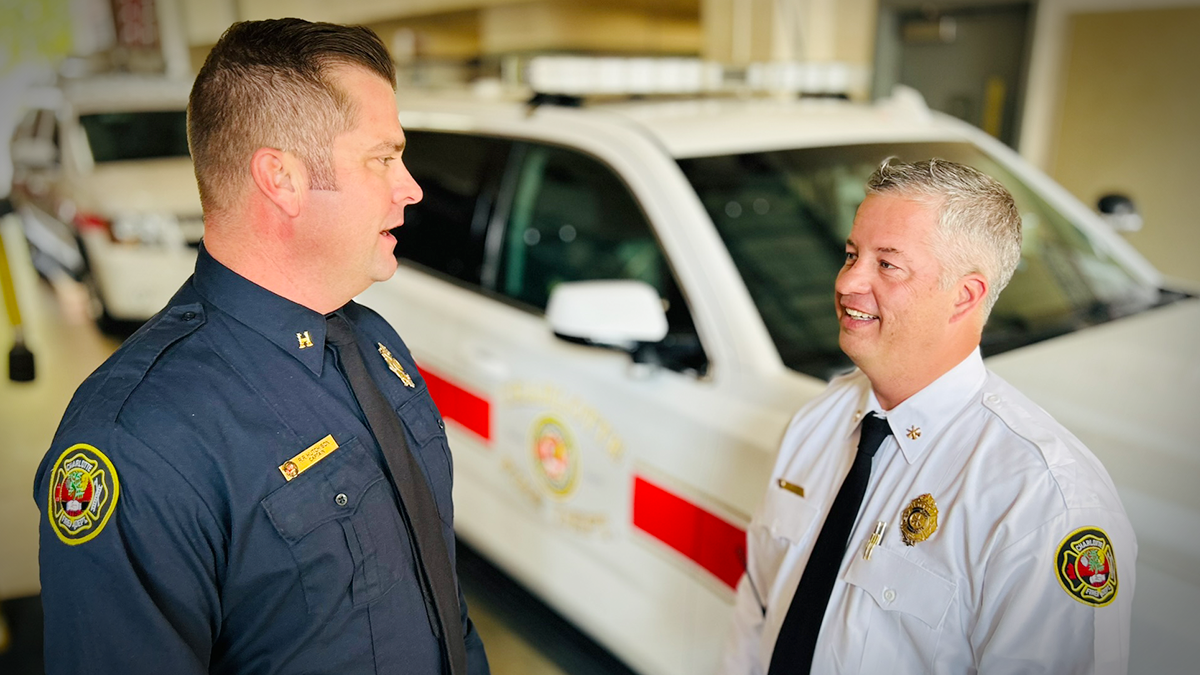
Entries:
{"x":1128,"y":124}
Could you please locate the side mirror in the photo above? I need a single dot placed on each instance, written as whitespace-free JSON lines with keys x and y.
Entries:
{"x":1119,"y":212}
{"x":617,"y":314}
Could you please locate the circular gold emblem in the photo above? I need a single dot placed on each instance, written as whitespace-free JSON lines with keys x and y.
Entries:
{"x":555,"y":457}
{"x":919,"y":519}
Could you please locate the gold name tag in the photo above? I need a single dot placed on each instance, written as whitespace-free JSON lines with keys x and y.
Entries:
{"x":313,"y":454}
{"x":791,"y":487}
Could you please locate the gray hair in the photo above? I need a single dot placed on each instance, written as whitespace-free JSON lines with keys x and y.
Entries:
{"x":979,"y":227}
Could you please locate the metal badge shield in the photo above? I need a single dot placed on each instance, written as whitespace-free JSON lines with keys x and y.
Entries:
{"x":919,"y":520}
{"x":394,"y":365}
{"x":83,"y":494}
{"x":1087,"y":567}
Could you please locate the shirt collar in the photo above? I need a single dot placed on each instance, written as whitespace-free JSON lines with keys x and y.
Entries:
{"x":916,"y":422}
{"x":297,"y":330}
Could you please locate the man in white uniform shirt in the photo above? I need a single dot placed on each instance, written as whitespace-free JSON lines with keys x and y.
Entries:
{"x":988,"y":539}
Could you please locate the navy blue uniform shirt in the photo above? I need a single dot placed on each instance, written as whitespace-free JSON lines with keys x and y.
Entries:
{"x":171,"y":540}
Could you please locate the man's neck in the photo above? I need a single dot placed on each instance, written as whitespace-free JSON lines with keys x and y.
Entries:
{"x":897,"y":387}
{"x":273,"y":270}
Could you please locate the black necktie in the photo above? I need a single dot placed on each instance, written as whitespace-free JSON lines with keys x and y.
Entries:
{"x":798,"y":635}
{"x":416,"y":498}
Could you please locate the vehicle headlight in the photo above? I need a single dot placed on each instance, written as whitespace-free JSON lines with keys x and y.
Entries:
{"x":148,"y":228}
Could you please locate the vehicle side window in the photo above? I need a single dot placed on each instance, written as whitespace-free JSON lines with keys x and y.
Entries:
{"x":458,"y":175}
{"x":573,"y":219}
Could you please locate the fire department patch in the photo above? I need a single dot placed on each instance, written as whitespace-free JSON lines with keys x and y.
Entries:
{"x":555,"y":457}
{"x":1087,"y":567}
{"x":83,"y":494}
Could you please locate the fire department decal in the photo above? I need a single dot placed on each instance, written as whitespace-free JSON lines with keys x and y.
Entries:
{"x":1086,"y":567}
{"x":83,"y":494}
{"x":555,"y":457}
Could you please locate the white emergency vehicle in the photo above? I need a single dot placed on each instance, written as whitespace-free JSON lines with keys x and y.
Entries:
{"x":611,"y":440}
{"x":105,"y":184}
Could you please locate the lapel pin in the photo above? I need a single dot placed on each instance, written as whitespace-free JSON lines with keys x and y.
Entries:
{"x":914,"y":433}
{"x":304,"y":339}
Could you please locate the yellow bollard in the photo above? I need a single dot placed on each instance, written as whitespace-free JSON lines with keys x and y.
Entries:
{"x":20,"y":359}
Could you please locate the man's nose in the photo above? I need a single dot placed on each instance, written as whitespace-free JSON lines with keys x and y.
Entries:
{"x":852,"y":279}
{"x":406,"y":190}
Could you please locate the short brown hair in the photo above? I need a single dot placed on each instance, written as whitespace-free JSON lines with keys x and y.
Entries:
{"x":979,"y":226}
{"x":266,"y":84}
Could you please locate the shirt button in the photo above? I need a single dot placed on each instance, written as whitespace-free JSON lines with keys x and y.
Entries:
{"x":993,"y":399}
{"x":188,"y":316}
{"x":341,"y":499}
{"x":889,"y":595}
{"x":441,"y":425}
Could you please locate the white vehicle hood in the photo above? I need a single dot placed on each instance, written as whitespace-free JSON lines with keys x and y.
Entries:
{"x":1128,"y":389}
{"x":156,"y":186}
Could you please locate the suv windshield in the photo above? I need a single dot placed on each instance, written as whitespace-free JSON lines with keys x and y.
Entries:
{"x":785,"y":215}
{"x":116,"y":137}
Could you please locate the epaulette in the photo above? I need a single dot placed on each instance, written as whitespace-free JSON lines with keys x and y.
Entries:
{"x":107,"y":390}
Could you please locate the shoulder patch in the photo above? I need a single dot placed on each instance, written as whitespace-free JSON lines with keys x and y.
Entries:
{"x":83,"y":494}
{"x":1087,"y":567}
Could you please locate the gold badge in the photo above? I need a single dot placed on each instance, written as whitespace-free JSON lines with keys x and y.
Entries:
{"x":914,"y":433}
{"x":919,"y":520}
{"x":394,"y":365}
{"x":311,"y":455}
{"x":304,"y":339}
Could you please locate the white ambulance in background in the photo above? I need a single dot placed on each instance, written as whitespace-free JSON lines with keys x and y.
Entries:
{"x":618,"y":305}
{"x":105,"y":186}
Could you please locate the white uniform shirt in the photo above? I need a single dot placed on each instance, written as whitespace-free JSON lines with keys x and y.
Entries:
{"x":989,"y":590}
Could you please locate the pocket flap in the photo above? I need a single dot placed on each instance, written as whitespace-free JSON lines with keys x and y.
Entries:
{"x":898,"y":584}
{"x":787,"y":515}
{"x":328,"y":490}
{"x":421,"y":418}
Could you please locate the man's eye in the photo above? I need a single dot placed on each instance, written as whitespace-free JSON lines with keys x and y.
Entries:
{"x":387,"y":160}
{"x":886,"y":265}
{"x":851,"y":257}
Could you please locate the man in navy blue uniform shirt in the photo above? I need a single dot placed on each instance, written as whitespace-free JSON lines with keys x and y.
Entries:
{"x":214,"y":500}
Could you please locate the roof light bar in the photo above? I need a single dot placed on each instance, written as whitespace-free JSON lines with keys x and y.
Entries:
{"x":583,"y":76}
{"x":577,"y":76}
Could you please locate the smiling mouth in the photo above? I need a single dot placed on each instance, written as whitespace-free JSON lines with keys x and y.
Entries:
{"x":861,"y":316}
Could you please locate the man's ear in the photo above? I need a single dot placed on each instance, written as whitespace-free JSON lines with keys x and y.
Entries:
{"x":972,"y":291}
{"x":279,"y":177}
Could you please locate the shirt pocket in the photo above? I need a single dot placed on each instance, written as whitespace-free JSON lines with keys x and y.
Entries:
{"x":783,"y":522}
{"x":898,"y":584}
{"x":428,"y":432}
{"x":341,"y":524}
{"x":913,"y":602}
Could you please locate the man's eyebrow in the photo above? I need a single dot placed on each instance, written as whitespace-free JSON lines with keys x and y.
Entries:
{"x":882,"y":249}
{"x":388,"y":146}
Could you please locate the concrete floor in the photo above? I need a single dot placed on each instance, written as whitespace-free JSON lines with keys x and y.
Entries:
{"x":521,"y":635}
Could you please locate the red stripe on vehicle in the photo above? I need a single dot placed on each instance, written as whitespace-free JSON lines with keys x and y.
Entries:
{"x":705,"y":538}
{"x":455,"y":403}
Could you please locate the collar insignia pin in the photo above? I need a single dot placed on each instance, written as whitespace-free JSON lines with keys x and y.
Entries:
{"x":919,"y":520}
{"x":914,"y":433}
{"x":304,"y":339}
{"x":395,"y":366}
